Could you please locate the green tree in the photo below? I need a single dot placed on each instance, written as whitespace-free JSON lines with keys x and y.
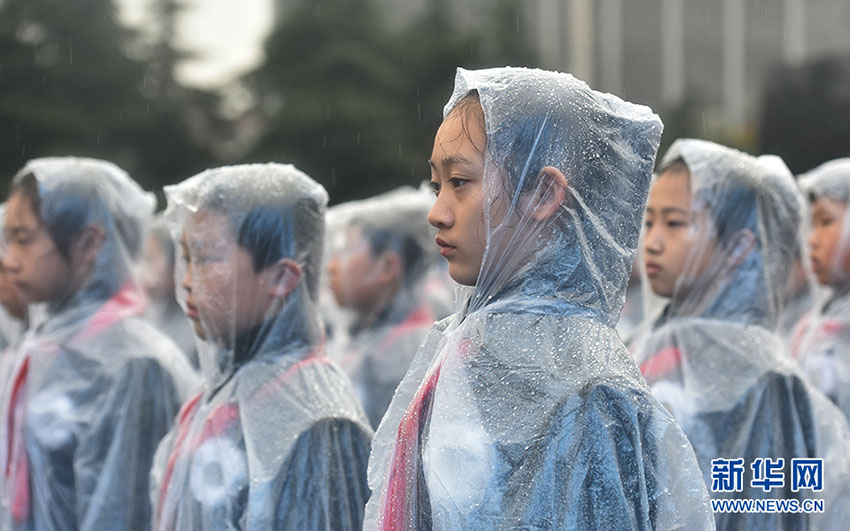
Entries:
{"x":69,"y":87}
{"x":355,"y":102}
{"x":328,"y":91}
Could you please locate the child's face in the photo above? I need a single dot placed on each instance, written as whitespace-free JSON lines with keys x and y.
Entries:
{"x":829,"y":242}
{"x":9,"y":297}
{"x":34,"y":264}
{"x":678,"y":244}
{"x":354,"y":273}
{"x":224,"y":296}
{"x":457,"y":173}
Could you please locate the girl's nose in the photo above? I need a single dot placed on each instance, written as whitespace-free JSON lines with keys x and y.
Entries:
{"x":10,"y":263}
{"x":187,"y":279}
{"x":813,"y":240}
{"x":440,"y":215}
{"x":653,"y":243}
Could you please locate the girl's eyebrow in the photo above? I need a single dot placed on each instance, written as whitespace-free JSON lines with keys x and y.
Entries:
{"x":668,"y":210}
{"x":674,"y":210}
{"x":452,"y":160}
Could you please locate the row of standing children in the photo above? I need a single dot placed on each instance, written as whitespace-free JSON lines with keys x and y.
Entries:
{"x":522,"y":409}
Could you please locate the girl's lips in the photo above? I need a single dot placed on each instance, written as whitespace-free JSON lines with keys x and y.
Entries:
{"x":652,"y":268}
{"x":445,"y":248}
{"x":191,"y":311}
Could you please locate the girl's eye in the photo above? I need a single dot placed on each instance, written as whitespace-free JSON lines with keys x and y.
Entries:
{"x":675,"y":224}
{"x":435,"y":186}
{"x":647,"y":224}
{"x":457,"y":182}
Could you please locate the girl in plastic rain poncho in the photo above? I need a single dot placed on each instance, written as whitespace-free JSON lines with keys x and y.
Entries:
{"x":524,"y":409}
{"x":721,"y":228}
{"x":821,"y":342}
{"x":156,"y":275}
{"x":94,"y":387}
{"x":276,"y":439}
{"x":376,"y":271}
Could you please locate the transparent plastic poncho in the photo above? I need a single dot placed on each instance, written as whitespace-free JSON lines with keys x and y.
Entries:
{"x":713,"y":357}
{"x":276,"y":438}
{"x":523,"y":410}
{"x":821,"y":341}
{"x":381,"y":257}
{"x":94,"y":387}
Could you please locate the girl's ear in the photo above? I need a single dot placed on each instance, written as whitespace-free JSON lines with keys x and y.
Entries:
{"x":550,"y":194}
{"x":740,"y":245}
{"x":388,"y":267}
{"x":284,"y":274}
{"x":89,"y":244}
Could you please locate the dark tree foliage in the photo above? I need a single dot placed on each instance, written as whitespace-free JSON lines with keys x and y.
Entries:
{"x":355,"y":101}
{"x":69,"y":87}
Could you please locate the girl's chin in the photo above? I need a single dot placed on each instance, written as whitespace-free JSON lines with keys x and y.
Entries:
{"x":462,"y":277}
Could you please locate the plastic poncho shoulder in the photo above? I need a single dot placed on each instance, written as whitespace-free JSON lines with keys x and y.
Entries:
{"x":524,"y":410}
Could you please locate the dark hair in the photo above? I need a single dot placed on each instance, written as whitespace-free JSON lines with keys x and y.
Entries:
{"x":268,"y":232}
{"x":65,"y":212}
{"x":677,"y":165}
{"x":406,"y":246}
{"x":469,"y":110}
{"x":264,"y":233}
{"x":63,"y":215}
{"x":519,"y":153}
{"x":731,"y":203}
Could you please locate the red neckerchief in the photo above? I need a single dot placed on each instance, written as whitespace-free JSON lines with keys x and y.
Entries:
{"x":401,"y":497}
{"x":125,"y":303}
{"x":222,"y":419}
{"x":661,"y":364}
{"x":17,"y":463}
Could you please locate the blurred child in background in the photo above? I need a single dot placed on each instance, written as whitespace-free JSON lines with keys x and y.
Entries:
{"x":384,"y":250}
{"x":94,"y":386}
{"x":721,"y":237}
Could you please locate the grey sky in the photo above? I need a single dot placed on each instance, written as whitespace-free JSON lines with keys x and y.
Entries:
{"x":228,"y":35}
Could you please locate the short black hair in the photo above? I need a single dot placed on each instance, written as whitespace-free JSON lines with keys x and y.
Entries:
{"x":731,"y":203}
{"x":270,"y":230}
{"x":64,"y":212}
{"x":406,"y":246}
